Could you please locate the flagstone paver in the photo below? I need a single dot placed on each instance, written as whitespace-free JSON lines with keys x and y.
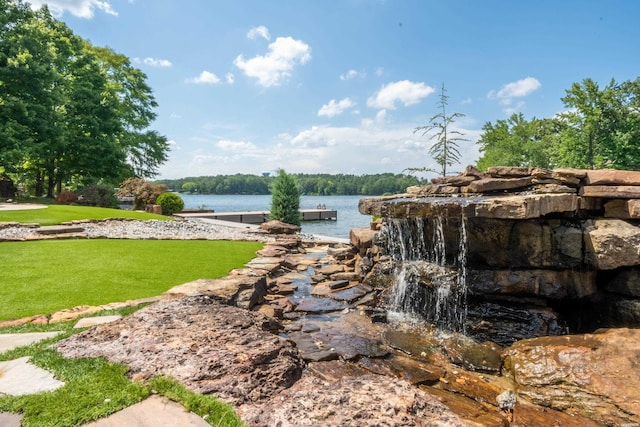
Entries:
{"x":19,"y":377}
{"x":156,"y":411}
{"x":10,"y":420}
{"x":98,"y":320}
{"x":11,"y":341}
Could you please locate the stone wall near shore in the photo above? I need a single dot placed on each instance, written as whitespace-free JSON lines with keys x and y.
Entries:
{"x":559,"y":249}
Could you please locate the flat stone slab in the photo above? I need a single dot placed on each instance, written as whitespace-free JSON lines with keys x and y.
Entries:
{"x":98,"y":320}
{"x":11,"y":341}
{"x":10,"y":420}
{"x":59,"y":229}
{"x":611,"y":191}
{"x":156,"y":411}
{"x":19,"y":377}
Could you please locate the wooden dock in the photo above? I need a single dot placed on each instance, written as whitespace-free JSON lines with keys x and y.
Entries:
{"x":259,"y":217}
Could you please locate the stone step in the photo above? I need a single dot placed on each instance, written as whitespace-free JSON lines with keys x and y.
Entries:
{"x":59,"y":229}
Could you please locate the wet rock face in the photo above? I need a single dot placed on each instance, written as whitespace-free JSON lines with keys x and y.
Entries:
{"x":592,"y":375}
{"x":540,"y":245}
{"x":369,"y":400}
{"x":207,"y":346}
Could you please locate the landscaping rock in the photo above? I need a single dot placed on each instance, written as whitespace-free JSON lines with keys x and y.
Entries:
{"x":207,"y":346}
{"x":242,"y":290}
{"x":612,"y":243}
{"x":611,"y":191}
{"x":369,"y":400}
{"x":279,"y":227}
{"x":591,"y":374}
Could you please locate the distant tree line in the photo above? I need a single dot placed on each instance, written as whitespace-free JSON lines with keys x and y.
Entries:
{"x":600,"y":128}
{"x":310,"y":184}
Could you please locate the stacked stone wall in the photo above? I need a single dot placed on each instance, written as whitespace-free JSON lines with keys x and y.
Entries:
{"x":560,"y":244}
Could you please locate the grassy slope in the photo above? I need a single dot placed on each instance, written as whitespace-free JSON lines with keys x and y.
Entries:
{"x":56,"y":214}
{"x":40,"y":277}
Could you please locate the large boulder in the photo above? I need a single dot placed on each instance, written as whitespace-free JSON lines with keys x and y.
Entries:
{"x":207,"y":346}
{"x":279,"y":227}
{"x":612,"y":243}
{"x":593,"y":374}
{"x":243,"y":291}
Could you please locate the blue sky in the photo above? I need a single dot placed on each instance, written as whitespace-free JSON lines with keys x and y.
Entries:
{"x":250,"y":86}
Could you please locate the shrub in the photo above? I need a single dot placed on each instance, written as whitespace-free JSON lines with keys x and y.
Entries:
{"x":98,"y":195}
{"x":170,"y":203}
{"x":66,"y":197}
{"x":143,"y":192}
{"x":285,"y":199}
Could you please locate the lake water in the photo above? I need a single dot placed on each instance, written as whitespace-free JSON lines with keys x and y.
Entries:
{"x":347,"y":207}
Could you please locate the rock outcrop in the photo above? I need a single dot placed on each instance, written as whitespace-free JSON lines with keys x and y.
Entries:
{"x":557,"y":246}
{"x":209,"y":347}
{"x":592,"y":375}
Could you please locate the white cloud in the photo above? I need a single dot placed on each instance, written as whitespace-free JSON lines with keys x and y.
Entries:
{"x":230,"y":78}
{"x":175,"y":116}
{"x":372,"y":147}
{"x":80,"y":8}
{"x":352,"y":74}
{"x":270,"y":69}
{"x":260,"y":31}
{"x":379,"y":71}
{"x":512,"y":109}
{"x":173,"y":146}
{"x":466,"y":101}
{"x":516,"y":89}
{"x":205,"y":77}
{"x":228,"y":145}
{"x":334,"y":108}
{"x":404,"y":91}
{"x":153,"y":62}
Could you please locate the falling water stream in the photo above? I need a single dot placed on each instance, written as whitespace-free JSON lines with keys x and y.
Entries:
{"x":430,"y":284}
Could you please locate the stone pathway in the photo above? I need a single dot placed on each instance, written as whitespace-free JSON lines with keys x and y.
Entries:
{"x":10,"y":420}
{"x":156,"y":411}
{"x":11,"y":341}
{"x":19,"y":377}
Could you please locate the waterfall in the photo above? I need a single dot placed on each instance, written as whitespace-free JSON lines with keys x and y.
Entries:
{"x":430,"y":283}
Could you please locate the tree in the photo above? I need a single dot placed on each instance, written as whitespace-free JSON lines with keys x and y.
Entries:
{"x":285,"y":199}
{"x":71,"y":113}
{"x":519,"y":142}
{"x":445,"y":150}
{"x":594,"y":116}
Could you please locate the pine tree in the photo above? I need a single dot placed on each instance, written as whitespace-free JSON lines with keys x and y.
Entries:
{"x":285,"y":199}
{"x":445,"y":150}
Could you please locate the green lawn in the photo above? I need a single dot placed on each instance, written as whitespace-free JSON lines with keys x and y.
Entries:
{"x":41,"y":277}
{"x":56,"y":214}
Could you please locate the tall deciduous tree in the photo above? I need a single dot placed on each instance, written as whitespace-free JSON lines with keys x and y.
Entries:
{"x":445,"y":150}
{"x":518,"y":142}
{"x":68,"y":114}
{"x":594,"y":116}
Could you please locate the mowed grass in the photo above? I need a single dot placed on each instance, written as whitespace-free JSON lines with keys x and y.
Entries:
{"x":57,"y":214}
{"x":41,"y":277}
